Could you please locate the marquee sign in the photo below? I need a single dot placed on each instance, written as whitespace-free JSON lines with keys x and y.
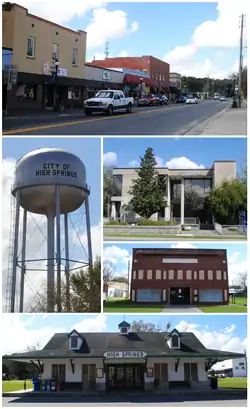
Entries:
{"x":125,"y":354}
{"x":193,"y":172}
{"x":56,"y":169}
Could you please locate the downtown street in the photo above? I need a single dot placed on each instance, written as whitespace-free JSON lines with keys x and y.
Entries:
{"x":174,"y":119}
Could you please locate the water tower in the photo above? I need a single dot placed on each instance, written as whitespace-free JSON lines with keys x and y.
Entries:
{"x":50,"y":182}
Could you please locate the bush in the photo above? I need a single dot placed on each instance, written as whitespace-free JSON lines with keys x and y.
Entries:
{"x":115,"y":223}
{"x":150,"y":222}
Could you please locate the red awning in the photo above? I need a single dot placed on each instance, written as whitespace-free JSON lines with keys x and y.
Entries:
{"x":136,"y":80}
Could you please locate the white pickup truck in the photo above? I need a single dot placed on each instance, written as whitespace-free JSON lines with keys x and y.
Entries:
{"x":108,"y":101}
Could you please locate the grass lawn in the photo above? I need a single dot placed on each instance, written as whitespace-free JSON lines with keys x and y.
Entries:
{"x":237,"y":307}
{"x":233,"y":383}
{"x":11,"y":386}
{"x":174,"y":236}
{"x":121,"y":305}
{"x":240,"y":300}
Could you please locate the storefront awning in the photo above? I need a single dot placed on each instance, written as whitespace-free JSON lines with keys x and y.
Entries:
{"x":131,"y":79}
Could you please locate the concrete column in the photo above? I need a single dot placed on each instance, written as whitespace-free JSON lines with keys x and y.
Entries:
{"x":168,"y":208}
{"x":182,"y":201}
{"x":113,"y":211}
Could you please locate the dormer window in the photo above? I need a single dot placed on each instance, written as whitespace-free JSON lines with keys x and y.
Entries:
{"x":75,"y":340}
{"x":124,"y":327}
{"x":173,"y":339}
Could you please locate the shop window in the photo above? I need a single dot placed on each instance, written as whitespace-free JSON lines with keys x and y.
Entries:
{"x":74,"y":94}
{"x":26,"y":93}
{"x":150,"y":372}
{"x":31,"y":47}
{"x":75,"y":57}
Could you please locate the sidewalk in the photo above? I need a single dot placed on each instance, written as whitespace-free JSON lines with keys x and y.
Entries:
{"x":233,"y":121}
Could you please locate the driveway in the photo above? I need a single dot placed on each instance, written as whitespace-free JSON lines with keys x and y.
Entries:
{"x":181,"y":309}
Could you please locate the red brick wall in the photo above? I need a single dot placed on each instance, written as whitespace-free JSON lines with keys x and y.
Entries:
{"x":151,"y":64}
{"x":154,"y":262}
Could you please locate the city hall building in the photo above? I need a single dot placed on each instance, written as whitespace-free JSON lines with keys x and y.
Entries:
{"x":179,"y":276}
{"x":185,"y":191}
{"x":125,"y":360}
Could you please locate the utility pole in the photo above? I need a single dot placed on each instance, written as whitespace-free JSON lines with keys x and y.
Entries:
{"x":106,"y":53}
{"x":241,"y":57}
{"x":128,"y":277}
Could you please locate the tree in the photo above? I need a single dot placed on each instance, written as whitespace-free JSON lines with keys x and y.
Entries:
{"x":107,"y":272}
{"x":147,"y":190}
{"x":120,"y":280}
{"x":242,"y":282}
{"x":32,"y":348}
{"x":85,"y":292}
{"x":108,"y":181}
{"x":227,"y":200}
{"x":141,"y":326}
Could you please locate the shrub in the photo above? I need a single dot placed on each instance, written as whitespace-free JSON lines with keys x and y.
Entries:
{"x":115,"y":223}
{"x":161,"y":222}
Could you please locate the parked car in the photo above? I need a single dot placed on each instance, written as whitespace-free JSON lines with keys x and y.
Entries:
{"x":148,"y":100}
{"x":163,"y":100}
{"x":216,"y":97}
{"x":191,"y":100}
{"x":181,"y":100}
{"x":108,"y":101}
{"x":222,"y":98}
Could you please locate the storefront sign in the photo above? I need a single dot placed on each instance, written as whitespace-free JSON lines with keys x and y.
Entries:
{"x":56,"y":169}
{"x":62,"y":72}
{"x":125,"y":354}
{"x":106,"y":75}
{"x":46,"y":69}
{"x":193,"y":172}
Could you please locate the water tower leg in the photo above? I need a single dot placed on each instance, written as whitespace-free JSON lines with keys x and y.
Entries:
{"x":58,"y":249}
{"x":66,"y":233}
{"x":23,"y":264}
{"x":88,"y":226}
{"x":90,"y":257}
{"x":50,"y":266}
{"x":15,"y":253}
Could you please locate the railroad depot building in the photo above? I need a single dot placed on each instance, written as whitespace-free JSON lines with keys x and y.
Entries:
{"x":179,"y":276}
{"x":125,"y":360}
{"x":185,"y":191}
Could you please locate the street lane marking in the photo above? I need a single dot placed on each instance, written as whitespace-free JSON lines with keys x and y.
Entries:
{"x":64,"y":124}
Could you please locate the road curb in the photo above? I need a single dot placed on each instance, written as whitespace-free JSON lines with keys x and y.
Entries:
{"x":198,"y":129}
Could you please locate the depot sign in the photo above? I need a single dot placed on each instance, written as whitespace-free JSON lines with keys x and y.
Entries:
{"x":125,"y":354}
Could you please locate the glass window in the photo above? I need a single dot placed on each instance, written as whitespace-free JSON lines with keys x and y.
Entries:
{"x":176,"y":190}
{"x":26,"y":93}
{"x":74,"y":341}
{"x":31,"y":47}
{"x":75,"y":57}
{"x":198,"y":186}
{"x":175,"y":341}
{"x":117,"y":185}
{"x":55,"y":53}
{"x":99,"y":373}
{"x":208,"y":186}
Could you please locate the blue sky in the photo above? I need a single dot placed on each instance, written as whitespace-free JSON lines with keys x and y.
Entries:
{"x":87,"y":149}
{"x":227,"y":332}
{"x":119,"y":255}
{"x":197,"y":39}
{"x":201,"y":151}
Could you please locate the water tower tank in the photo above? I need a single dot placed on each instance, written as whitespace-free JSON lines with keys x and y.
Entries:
{"x":38,"y":172}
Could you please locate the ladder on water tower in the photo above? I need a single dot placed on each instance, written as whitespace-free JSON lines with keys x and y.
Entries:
{"x":10,"y":253}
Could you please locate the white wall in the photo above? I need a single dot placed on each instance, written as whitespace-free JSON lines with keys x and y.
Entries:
{"x":70,"y":377}
{"x":96,"y":74}
{"x":179,"y":375}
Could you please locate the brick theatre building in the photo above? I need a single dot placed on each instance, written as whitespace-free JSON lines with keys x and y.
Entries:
{"x":179,"y":276}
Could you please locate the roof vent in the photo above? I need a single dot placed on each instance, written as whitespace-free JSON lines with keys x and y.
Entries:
{"x":124,"y":327}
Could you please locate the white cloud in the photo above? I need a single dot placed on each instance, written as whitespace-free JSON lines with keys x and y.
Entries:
{"x":108,"y":24}
{"x":13,"y":324}
{"x":109,"y":159}
{"x":223,"y":32}
{"x":175,"y":163}
{"x":224,"y":340}
{"x":115,"y":255}
{"x":36,"y":242}
{"x":183,"y":245}
{"x":61,"y":12}
{"x":183,"y":163}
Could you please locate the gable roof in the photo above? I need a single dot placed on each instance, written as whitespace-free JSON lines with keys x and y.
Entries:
{"x":96,"y":344}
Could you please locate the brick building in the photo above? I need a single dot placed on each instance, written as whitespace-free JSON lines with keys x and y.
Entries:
{"x":157,"y":69}
{"x":179,"y":276}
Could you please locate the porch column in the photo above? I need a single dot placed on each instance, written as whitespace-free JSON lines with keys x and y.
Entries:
{"x":168,"y":208}
{"x":113,"y":211}
{"x":182,"y":201}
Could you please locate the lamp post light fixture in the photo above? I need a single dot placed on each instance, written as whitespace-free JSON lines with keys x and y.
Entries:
{"x":141,"y":80}
{"x":57,"y":63}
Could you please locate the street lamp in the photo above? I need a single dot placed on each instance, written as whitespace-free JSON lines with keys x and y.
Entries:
{"x":57,"y":63}
{"x":141,"y":79}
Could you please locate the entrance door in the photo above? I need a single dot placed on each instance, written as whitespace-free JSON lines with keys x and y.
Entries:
{"x":180,"y":296}
{"x":187,"y":376}
{"x":125,"y":377}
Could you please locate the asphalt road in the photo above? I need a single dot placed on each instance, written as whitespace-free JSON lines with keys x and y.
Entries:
{"x":174,"y":119}
{"x":117,"y":402}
